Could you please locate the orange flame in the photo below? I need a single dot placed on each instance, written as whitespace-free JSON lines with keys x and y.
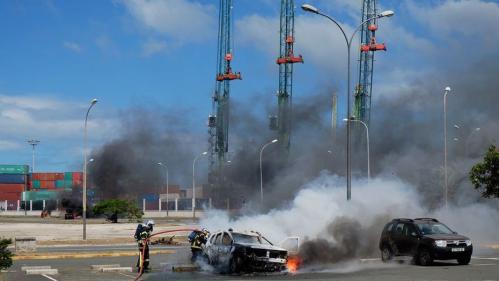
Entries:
{"x":293,"y":263}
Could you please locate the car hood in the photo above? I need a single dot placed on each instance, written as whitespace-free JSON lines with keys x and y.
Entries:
{"x":446,"y":237}
{"x":260,"y":246}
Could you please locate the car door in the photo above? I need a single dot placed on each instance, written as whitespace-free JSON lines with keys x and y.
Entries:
{"x":216,"y":249}
{"x":411,"y":238}
{"x":397,"y":239}
{"x":224,"y":251}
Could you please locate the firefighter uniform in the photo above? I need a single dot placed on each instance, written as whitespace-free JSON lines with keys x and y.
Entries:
{"x":197,"y":239}
{"x":142,"y":235}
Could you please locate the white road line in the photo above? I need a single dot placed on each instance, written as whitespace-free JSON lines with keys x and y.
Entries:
{"x":482,"y":264}
{"x":478,"y":258}
{"x":371,"y":259}
{"x":46,"y":276}
{"x":133,"y":277}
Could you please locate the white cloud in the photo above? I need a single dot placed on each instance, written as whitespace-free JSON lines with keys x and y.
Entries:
{"x":316,"y":39}
{"x":152,"y":47}
{"x":72,"y":46}
{"x":183,"y":20}
{"x":471,"y":17}
{"x":48,"y":118}
{"x":8,"y":145}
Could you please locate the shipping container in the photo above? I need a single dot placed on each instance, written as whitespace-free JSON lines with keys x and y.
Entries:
{"x":10,"y":196}
{"x":12,"y":178}
{"x":47,"y":176}
{"x":68,"y":183}
{"x":77,"y":177}
{"x":14,"y":169}
{"x":11,"y":187}
{"x":59,"y":183}
{"x":42,"y":195}
{"x":68,"y":176}
{"x":35,"y":184}
{"x":47,"y":184}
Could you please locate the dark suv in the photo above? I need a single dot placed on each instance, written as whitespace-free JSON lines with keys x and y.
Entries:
{"x":425,"y":239}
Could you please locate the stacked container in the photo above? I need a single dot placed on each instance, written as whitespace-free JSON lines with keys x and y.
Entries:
{"x":13,"y":181}
{"x":56,"y":181}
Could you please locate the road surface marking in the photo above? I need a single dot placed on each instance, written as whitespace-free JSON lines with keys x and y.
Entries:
{"x":46,"y":276}
{"x":478,"y":258}
{"x":127,"y":275}
{"x":482,"y":264}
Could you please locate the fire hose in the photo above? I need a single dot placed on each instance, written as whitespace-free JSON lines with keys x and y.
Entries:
{"x":146,"y":243}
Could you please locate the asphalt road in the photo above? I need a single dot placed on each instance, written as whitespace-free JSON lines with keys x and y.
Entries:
{"x":484,"y":267}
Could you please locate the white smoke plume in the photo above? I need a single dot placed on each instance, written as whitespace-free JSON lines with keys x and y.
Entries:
{"x":321,"y":214}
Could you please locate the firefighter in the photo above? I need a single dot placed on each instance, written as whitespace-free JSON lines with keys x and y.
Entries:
{"x":198,"y":238}
{"x":142,"y":233}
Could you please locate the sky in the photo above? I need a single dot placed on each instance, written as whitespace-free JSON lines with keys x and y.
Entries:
{"x":56,"y":56}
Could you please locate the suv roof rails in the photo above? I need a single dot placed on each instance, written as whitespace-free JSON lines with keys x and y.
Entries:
{"x":403,"y":219}
{"x":426,"y":219}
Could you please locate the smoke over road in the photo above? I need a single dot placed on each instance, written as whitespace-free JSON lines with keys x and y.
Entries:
{"x":334,"y":230}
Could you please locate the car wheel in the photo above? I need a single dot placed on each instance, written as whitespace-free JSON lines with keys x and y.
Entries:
{"x":464,"y":260}
{"x":424,"y":257}
{"x":386,"y":254}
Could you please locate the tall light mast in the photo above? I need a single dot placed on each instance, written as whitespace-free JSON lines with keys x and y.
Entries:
{"x":218,"y":121}
{"x":282,"y":122}
{"x":363,"y":90}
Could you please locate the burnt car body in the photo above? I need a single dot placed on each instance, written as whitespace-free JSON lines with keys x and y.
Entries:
{"x":234,"y":252}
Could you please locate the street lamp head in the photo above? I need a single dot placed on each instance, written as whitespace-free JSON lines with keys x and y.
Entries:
{"x":204,"y":153}
{"x":345,"y":119}
{"x":457,"y":126}
{"x":447,"y":89}
{"x":386,"y":14}
{"x":91,"y":160}
{"x":310,"y":8}
{"x":274,"y":141}
{"x":477,"y":129}
{"x":159,"y":163}
{"x":94,"y":101}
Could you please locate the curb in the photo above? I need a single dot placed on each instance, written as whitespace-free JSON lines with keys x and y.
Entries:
{"x":86,"y":255}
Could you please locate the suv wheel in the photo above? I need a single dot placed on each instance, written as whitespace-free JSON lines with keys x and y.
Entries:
{"x":464,"y":260}
{"x":386,"y":254}
{"x":424,"y":257}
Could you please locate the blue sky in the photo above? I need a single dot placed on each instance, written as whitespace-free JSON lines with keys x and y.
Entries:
{"x":56,"y":56}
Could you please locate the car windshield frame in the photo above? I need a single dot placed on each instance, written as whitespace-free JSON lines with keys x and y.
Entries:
{"x":246,"y":238}
{"x":428,"y":228}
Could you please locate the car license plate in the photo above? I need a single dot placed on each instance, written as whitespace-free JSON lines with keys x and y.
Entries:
{"x":457,"y":250}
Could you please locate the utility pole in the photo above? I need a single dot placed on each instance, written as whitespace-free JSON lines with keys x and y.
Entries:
{"x":33,"y":143}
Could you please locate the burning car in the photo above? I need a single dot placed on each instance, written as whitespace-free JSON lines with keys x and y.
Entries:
{"x":234,"y":252}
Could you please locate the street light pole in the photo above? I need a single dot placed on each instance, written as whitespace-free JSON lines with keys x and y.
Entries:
{"x":261,"y":171}
{"x":447,"y":91}
{"x":312,"y":9}
{"x":84,"y":200}
{"x":194,"y":184}
{"x":367,"y":137}
{"x":167,"y":186}
{"x":33,"y":143}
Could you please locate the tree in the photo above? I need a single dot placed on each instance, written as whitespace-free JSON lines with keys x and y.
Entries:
{"x":5,"y":255}
{"x":118,"y":207}
{"x":485,"y":175}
